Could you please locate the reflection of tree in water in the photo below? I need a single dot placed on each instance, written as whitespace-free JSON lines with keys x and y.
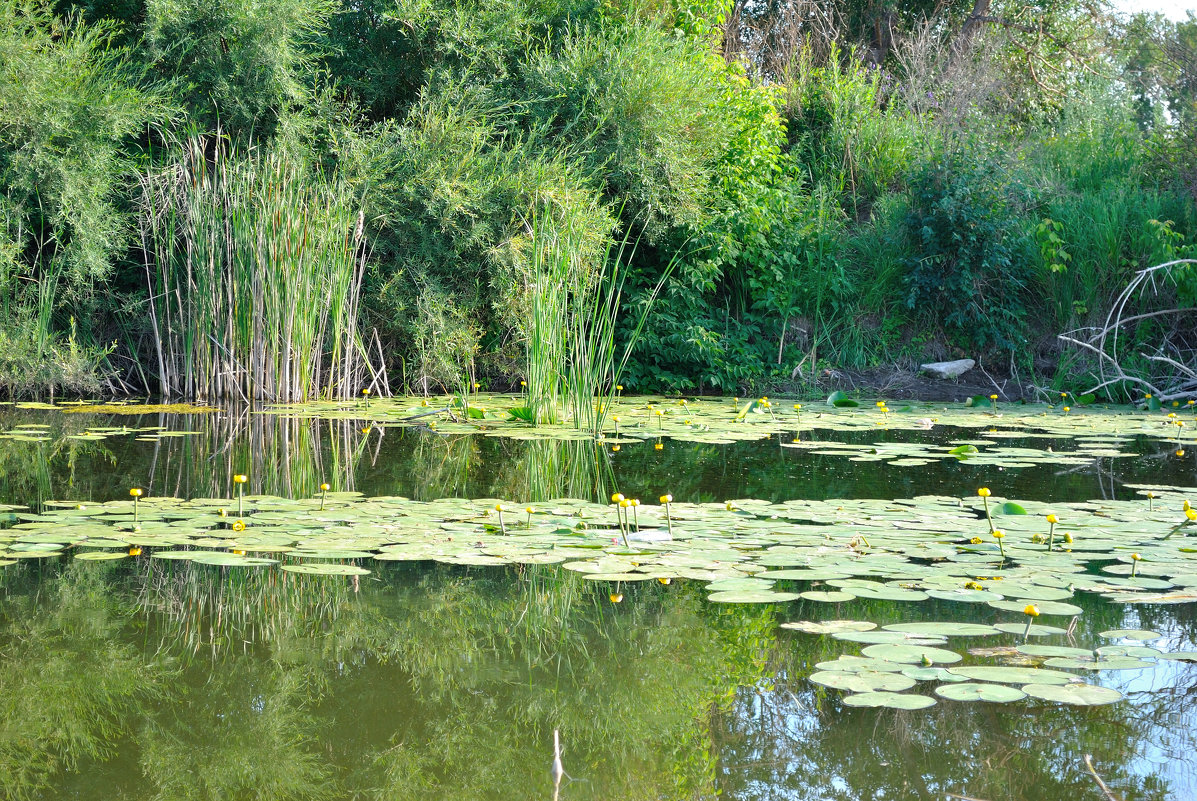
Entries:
{"x":797,"y":740}
{"x":70,"y":688}
{"x":494,"y":666}
{"x":439,"y":683}
{"x":240,"y":726}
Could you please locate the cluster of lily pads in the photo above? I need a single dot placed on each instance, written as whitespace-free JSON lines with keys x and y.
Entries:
{"x":746,"y":551}
{"x":1077,"y":436}
{"x":722,"y":420}
{"x":901,"y":655}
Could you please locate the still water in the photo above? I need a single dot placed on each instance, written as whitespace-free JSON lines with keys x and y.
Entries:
{"x":139,"y":680}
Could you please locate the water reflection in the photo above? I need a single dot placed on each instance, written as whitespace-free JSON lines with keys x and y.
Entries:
{"x":196,"y":456}
{"x":187,"y":681}
{"x":150,"y":679}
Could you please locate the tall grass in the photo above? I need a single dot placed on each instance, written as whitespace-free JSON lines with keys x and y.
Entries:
{"x":254,"y":263}
{"x":574,"y":363}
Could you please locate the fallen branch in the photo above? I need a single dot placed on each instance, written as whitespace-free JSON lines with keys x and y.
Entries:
{"x":1104,"y":788}
{"x":1103,"y":341}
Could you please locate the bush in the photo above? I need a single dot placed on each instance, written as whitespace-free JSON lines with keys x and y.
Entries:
{"x":61,"y":367}
{"x":970,"y":270}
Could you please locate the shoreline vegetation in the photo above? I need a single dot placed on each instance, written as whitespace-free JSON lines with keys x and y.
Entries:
{"x":293,"y":200}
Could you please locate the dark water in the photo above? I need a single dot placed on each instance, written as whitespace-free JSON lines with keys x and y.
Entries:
{"x":145,"y":680}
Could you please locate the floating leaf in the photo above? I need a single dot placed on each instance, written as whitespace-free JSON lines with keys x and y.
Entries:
{"x":326,"y":570}
{"x":841,"y":400}
{"x":1012,"y":675}
{"x":889,"y":700}
{"x":971,"y":691}
{"x":829,"y":626}
{"x":944,"y":629}
{"x":864,"y":681}
{"x":912,"y":654}
{"x":1076,"y":694}
{"x":1140,"y":635}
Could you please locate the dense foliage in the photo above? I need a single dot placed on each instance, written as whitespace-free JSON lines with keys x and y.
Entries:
{"x":836,"y":186}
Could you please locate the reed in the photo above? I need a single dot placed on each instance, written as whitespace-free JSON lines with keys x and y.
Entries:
{"x":574,"y":363}
{"x":254,"y":262}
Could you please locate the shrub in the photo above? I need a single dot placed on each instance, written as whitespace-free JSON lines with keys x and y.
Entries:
{"x":970,"y":270}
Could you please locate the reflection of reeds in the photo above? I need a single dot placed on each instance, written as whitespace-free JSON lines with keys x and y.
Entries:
{"x":215,"y":607}
{"x":440,"y":466}
{"x":284,"y":456}
{"x":563,"y":469}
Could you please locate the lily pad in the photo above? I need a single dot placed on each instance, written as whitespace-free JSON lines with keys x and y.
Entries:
{"x":326,"y":570}
{"x":944,"y":629}
{"x":889,"y":700}
{"x":976,"y":691}
{"x":864,"y":681}
{"x":912,"y":654}
{"x":1012,"y":675}
{"x":1079,"y":694}
{"x":1139,"y":635}
{"x":829,"y":626}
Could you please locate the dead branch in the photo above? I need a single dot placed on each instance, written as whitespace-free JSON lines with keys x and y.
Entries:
{"x":1104,"y":787}
{"x":1103,"y":341}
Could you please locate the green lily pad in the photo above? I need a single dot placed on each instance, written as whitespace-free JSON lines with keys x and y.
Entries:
{"x":326,"y":570}
{"x":889,"y":700}
{"x":1139,"y":635}
{"x":1045,"y":607}
{"x":828,"y":596}
{"x":829,"y":626}
{"x":1037,"y":629}
{"x":912,"y":654}
{"x":1012,"y":675}
{"x":921,"y":673}
{"x":1089,"y":663}
{"x":1075,"y":694}
{"x":864,"y":681}
{"x":752,"y":597}
{"x":944,"y":629}
{"x":1053,"y":651}
{"x":975,"y":691}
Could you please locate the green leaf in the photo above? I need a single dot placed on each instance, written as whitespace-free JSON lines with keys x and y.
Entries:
{"x":840,"y":400}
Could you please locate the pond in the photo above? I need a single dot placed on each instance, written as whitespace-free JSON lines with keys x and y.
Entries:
{"x":399,"y":636}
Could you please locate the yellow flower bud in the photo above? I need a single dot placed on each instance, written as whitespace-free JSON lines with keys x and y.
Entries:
{"x":1053,"y":519}
{"x":983,"y":492}
{"x":617,"y":497}
{"x":666,"y":499}
{"x":1031,"y":610}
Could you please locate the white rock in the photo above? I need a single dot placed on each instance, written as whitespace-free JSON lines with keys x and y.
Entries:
{"x":948,"y":369}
